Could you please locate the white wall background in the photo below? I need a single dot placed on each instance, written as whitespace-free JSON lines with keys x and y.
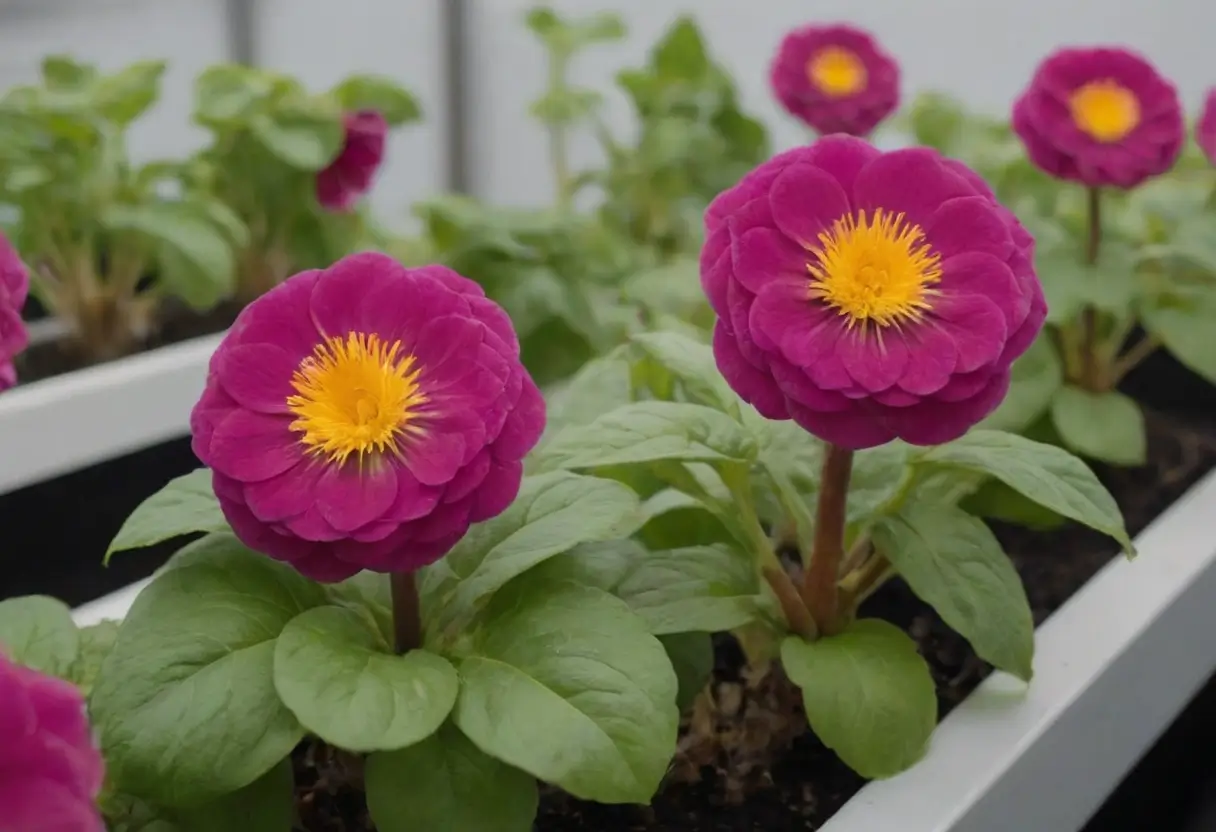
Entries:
{"x":981,"y":50}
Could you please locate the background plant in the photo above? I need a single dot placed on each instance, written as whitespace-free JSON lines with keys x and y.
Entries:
{"x":270,"y":137}
{"x":1125,"y":273}
{"x":106,"y":239}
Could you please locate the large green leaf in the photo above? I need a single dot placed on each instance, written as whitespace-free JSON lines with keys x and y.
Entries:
{"x":304,"y":135}
{"x":1185,"y":328}
{"x":955,"y":564}
{"x":566,"y":683}
{"x":1036,"y":377}
{"x":336,"y":672}
{"x":37,"y":631}
{"x":185,"y":702}
{"x":868,"y":695}
{"x":1107,"y":426}
{"x":1050,"y":476}
{"x":185,"y":506}
{"x":446,"y":782}
{"x":700,"y":588}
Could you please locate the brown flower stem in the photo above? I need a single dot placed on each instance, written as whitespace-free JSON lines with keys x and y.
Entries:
{"x":1089,"y":315}
{"x":792,"y":606}
{"x":407,"y":612}
{"x":819,"y":585}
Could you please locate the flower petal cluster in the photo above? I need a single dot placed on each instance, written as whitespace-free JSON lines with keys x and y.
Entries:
{"x":14,"y":288}
{"x":350,"y":175}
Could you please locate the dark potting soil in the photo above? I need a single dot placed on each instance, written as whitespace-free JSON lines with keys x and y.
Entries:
{"x":56,"y":532}
{"x":746,"y":762}
{"x":176,"y":323}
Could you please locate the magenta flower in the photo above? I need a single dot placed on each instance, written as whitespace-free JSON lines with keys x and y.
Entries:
{"x":836,"y":79}
{"x":363,"y":416}
{"x":869,"y":295}
{"x":350,"y":175}
{"x":1205,"y":130}
{"x":1100,"y":117}
{"x":14,"y":287}
{"x":50,"y":768}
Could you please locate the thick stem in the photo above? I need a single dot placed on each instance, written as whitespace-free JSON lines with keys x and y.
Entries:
{"x":819,"y":586}
{"x":1089,"y":315}
{"x":407,"y":612}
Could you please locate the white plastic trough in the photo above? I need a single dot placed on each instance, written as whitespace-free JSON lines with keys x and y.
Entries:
{"x":1114,"y":667}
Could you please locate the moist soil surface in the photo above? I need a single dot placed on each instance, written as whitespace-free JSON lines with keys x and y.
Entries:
{"x":746,"y":761}
{"x":176,"y":323}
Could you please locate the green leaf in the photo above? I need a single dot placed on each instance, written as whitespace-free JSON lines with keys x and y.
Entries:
{"x":1107,"y":426}
{"x":1050,"y":476}
{"x":1037,"y":375}
{"x":681,"y":53}
{"x":578,"y":662}
{"x":365,"y":698}
{"x":602,"y":565}
{"x":229,"y":94}
{"x":196,"y":261}
{"x":185,"y":702}
{"x":96,"y":642}
{"x":700,"y":588}
{"x":955,"y":565}
{"x":648,"y":432}
{"x":37,"y":631}
{"x":552,"y":514}
{"x":128,"y":93}
{"x":997,"y":501}
{"x":446,"y":782}
{"x":267,"y":804}
{"x":868,"y":695}
{"x":603,"y":384}
{"x":1185,"y":328}
{"x":692,"y":658}
{"x":384,"y":95}
{"x":694,"y":365}
{"x":305,"y":137}
{"x":1070,"y":285}
{"x":185,"y":506}
{"x":63,"y":72}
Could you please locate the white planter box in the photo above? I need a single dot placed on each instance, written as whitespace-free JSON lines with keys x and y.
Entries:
{"x":71,"y":421}
{"x":1114,"y":666}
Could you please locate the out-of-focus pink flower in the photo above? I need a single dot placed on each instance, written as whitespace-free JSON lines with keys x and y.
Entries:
{"x":1205,"y":130}
{"x":363,"y":416}
{"x":837,"y":79}
{"x":350,"y":175}
{"x":1101,"y":117}
{"x":50,"y":769}
{"x":869,"y":296}
{"x":14,"y":288}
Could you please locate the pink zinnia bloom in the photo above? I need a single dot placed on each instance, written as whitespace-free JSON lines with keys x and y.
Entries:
{"x":1102,"y":117}
{"x":1205,"y":130}
{"x":837,"y":79}
{"x":869,"y":295}
{"x":350,"y":175}
{"x":50,"y":769}
{"x":14,"y":287}
{"x":361,"y":417}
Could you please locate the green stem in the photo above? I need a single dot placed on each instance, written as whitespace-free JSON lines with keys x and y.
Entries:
{"x":559,"y":155}
{"x":1089,"y":315}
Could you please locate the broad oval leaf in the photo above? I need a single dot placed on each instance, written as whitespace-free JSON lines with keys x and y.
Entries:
{"x":37,"y":631}
{"x":553,"y":513}
{"x":868,"y":695}
{"x":695,"y":589}
{"x":648,"y":432}
{"x":337,"y":674}
{"x":1050,"y":476}
{"x":693,"y":364}
{"x":446,"y":782}
{"x":185,"y":702}
{"x":1107,"y":426}
{"x":578,"y":662}
{"x":955,"y":564}
{"x":185,"y":506}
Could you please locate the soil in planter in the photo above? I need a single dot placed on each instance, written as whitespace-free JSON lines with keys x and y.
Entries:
{"x":56,"y":532}
{"x":176,"y":323}
{"x":746,"y":761}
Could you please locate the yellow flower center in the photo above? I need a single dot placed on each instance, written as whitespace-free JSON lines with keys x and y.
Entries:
{"x":874,"y":269}
{"x":355,"y":395}
{"x":1105,"y":110}
{"x":836,"y":71}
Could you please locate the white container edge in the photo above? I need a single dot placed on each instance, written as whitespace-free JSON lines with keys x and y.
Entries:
{"x":99,"y":413}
